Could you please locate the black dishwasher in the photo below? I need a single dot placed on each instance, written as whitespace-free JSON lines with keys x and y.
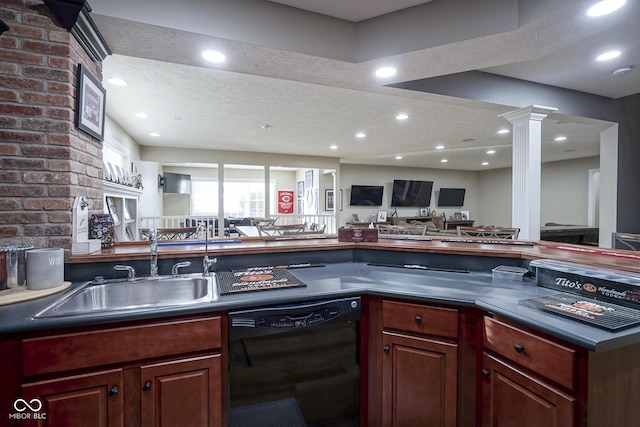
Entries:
{"x":295,"y":365}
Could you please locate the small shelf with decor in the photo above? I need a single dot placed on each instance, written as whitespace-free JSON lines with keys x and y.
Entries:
{"x":438,"y":221}
{"x":121,"y":202}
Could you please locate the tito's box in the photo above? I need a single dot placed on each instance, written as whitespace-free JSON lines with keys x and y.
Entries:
{"x":357,"y":235}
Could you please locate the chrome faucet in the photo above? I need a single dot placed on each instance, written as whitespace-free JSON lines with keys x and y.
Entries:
{"x":206,"y":262}
{"x":153,"y":241}
{"x":131,"y":272}
{"x":175,"y":270}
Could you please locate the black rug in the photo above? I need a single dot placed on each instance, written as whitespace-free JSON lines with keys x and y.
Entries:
{"x":279,"y":413}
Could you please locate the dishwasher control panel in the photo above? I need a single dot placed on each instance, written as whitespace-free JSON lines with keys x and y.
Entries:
{"x":267,"y":320}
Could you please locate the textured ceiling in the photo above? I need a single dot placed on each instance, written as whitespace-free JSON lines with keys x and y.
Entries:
{"x":352,"y":10}
{"x":313,"y":101}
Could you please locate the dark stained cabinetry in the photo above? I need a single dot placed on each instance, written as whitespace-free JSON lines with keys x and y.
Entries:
{"x":182,"y":393}
{"x":419,"y":365}
{"x":526,"y":380}
{"x":94,"y":399}
{"x":159,"y":374}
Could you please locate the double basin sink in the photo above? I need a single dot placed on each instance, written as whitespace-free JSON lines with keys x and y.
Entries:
{"x":100,"y":296}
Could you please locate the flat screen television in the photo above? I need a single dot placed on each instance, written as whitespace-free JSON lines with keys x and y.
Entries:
{"x":409,"y":193}
{"x":178,"y":183}
{"x":366,"y":195}
{"x":451,"y":197}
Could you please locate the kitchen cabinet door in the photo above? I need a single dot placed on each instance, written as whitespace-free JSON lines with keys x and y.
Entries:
{"x":94,"y":399}
{"x":419,"y":378}
{"x":512,"y":398}
{"x":185,"y":393}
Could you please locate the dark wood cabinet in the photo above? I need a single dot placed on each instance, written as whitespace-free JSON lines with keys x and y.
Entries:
{"x":419,"y":382}
{"x":184,"y":393}
{"x":419,"y":362}
{"x":94,"y":399}
{"x":527,"y":380}
{"x":512,"y":398}
{"x":162,"y":374}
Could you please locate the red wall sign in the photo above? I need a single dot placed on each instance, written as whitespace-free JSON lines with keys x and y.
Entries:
{"x":285,"y":201}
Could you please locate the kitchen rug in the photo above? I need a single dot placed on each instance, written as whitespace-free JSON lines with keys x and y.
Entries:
{"x":279,"y":413}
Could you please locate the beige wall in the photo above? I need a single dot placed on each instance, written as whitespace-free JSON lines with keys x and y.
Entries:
{"x":384,"y":175}
{"x":564,"y":193}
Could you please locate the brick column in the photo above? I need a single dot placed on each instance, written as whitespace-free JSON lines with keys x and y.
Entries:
{"x":45,"y":160}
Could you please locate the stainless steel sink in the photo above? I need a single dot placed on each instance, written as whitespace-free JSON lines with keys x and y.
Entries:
{"x":136,"y":294}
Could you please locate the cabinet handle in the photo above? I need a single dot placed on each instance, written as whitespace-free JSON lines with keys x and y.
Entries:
{"x":485,"y":373}
{"x":518,"y":348}
{"x":386,"y":349}
{"x":418,"y":319}
{"x":114,"y":391}
{"x":146,"y":386}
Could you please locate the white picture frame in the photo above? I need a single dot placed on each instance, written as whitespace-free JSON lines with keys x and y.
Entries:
{"x":382,"y":216}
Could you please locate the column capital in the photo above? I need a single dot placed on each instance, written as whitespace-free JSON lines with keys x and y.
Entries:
{"x":533,"y":112}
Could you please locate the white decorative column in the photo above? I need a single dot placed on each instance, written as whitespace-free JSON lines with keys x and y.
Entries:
{"x":527,"y":159}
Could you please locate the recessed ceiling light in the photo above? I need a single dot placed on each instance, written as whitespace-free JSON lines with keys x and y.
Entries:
{"x":608,"y":56}
{"x":440,"y":147}
{"x":398,"y":157}
{"x":402,"y":116}
{"x":444,"y":161}
{"x":360,"y":135}
{"x":560,"y":138}
{"x":605,"y":7}
{"x":491,"y":151}
{"x":214,"y":56}
{"x":386,"y":72}
{"x":141,"y":115}
{"x":485,"y":163}
{"x":117,"y":82}
{"x":622,"y":71}
{"x":503,"y":131}
{"x":154,"y":134}
{"x":333,"y":147}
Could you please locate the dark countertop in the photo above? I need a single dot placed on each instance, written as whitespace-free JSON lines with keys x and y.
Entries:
{"x":475,"y":289}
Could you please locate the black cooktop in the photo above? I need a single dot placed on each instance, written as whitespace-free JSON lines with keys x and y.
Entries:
{"x":598,"y":313}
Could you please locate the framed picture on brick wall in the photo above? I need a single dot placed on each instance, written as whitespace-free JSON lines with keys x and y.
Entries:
{"x":91,"y":104}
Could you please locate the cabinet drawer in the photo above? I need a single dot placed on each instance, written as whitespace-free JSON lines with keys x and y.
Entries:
{"x":546,"y":358}
{"x":59,"y":353}
{"x":420,"y":319}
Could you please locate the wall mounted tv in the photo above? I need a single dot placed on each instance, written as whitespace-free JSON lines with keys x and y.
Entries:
{"x":176,"y":183}
{"x":451,"y":197}
{"x":366,"y":195}
{"x":411,"y":193}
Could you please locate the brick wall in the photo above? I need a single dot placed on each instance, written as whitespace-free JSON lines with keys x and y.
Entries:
{"x":45,"y":160}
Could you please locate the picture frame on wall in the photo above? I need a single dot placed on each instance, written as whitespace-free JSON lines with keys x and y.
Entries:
{"x":308,"y":179}
{"x":329,"y":200}
{"x":300,"y":188}
{"x":91,"y":102}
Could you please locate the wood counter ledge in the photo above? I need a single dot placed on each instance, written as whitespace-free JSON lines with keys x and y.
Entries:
{"x":530,"y":250}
